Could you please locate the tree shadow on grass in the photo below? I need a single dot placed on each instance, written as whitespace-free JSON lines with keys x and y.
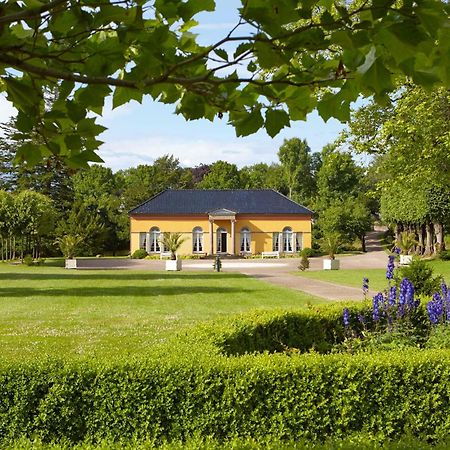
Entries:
{"x":126,"y":292}
{"x":147,"y":276}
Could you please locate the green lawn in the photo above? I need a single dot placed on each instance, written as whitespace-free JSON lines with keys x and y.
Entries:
{"x":52,"y":311}
{"x":377,"y":277}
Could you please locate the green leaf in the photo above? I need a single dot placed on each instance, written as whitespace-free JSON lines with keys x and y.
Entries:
{"x":75,"y":111}
{"x":276,"y":119}
{"x":23,"y":122}
{"x":221,"y":53}
{"x":88,"y":127}
{"x":247,"y":123}
{"x":377,"y":78}
{"x":124,"y":95}
{"x":21,"y":94}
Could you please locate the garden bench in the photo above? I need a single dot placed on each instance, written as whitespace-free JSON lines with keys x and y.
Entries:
{"x":270,"y":254}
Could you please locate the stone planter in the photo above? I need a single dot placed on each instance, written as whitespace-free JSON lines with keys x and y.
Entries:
{"x":71,"y":263}
{"x":173,"y":264}
{"x":331,"y":264}
{"x":405,"y":260}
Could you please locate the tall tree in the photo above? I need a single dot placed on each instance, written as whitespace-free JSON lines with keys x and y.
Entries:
{"x":338,"y":178}
{"x":90,"y":49}
{"x":97,"y":189}
{"x":295,"y":158}
{"x":411,"y":141}
{"x":221,"y":175}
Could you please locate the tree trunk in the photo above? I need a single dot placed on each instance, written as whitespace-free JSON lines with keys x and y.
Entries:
{"x":398,"y":230}
{"x":439,"y":233}
{"x":363,"y":243}
{"x":429,"y":241}
{"x":420,"y":235}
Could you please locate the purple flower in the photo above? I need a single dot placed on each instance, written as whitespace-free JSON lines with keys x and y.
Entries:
{"x":444,"y":289}
{"x":377,"y":299}
{"x":346,"y":317}
{"x":397,"y":250}
{"x":435,"y":308}
{"x":390,"y":268}
{"x":392,"y":295}
{"x":361,"y":319}
{"x":365,"y":286}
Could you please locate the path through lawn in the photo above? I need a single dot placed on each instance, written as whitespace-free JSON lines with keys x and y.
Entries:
{"x":52,"y":311}
{"x":377,"y":277}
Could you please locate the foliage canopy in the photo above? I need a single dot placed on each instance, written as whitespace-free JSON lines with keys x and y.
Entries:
{"x":282,"y":60}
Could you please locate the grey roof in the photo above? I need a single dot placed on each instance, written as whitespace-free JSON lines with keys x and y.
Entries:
{"x":242,"y":201}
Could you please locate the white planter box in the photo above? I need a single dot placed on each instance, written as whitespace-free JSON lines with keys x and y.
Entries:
{"x":405,"y":260}
{"x":71,"y":263}
{"x":331,"y":264}
{"x":173,"y":264}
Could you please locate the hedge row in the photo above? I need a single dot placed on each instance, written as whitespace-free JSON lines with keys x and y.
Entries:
{"x":194,"y":389}
{"x":308,"y":396}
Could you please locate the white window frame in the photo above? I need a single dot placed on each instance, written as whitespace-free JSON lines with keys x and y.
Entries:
{"x":221,"y":231}
{"x":197,"y":240}
{"x":287,"y":240}
{"x":276,"y":241}
{"x":155,"y":244}
{"x":298,"y":242}
{"x":245,"y":241}
{"x":143,"y":241}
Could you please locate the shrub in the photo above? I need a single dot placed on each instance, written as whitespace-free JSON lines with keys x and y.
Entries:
{"x":308,"y":252}
{"x":421,"y":276}
{"x":139,"y":254}
{"x":439,"y":337}
{"x":175,"y":398}
{"x":28,"y":260}
{"x":444,"y":255}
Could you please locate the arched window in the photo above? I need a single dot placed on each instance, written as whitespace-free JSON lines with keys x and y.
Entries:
{"x":155,"y":246}
{"x":246,"y":238}
{"x":287,"y":240}
{"x":197,"y":240}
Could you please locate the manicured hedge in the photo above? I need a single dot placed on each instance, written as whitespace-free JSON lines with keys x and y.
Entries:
{"x":193,"y":390}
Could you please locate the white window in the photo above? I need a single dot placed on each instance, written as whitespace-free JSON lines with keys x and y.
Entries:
{"x":298,"y":242}
{"x":155,"y":246}
{"x":143,"y":241}
{"x":276,"y":242}
{"x":245,"y":240}
{"x":287,"y":240}
{"x":197,"y":240}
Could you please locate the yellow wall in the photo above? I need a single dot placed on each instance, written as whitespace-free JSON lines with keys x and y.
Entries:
{"x":261,"y":227}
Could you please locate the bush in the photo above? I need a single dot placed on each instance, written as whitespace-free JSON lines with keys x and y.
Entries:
{"x":281,"y":396}
{"x":308,"y":252}
{"x":139,"y":254}
{"x":421,"y":276}
{"x":439,"y":337}
{"x":28,"y":260}
{"x":444,"y":255}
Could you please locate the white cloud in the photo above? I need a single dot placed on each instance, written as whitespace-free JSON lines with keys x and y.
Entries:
{"x":6,"y":109}
{"x":125,"y":153}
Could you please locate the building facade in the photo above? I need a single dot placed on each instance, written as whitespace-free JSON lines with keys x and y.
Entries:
{"x":226,"y":222}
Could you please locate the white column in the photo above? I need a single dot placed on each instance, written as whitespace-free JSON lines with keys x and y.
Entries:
{"x":233,"y":226}
{"x":211,"y":237}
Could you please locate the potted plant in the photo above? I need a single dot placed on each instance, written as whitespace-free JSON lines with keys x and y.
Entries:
{"x":330,"y":244}
{"x":406,"y":243}
{"x":171,"y":242}
{"x":69,"y":245}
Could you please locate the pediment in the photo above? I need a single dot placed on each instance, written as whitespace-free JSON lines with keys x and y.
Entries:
{"x":222,"y":212}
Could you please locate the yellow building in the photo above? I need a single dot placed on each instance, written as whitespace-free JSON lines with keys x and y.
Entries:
{"x":226,"y":222}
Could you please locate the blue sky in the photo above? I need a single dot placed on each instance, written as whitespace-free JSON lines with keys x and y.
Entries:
{"x":137,"y":134}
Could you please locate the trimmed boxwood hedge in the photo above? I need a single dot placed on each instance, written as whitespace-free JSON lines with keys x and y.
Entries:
{"x":193,"y":389}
